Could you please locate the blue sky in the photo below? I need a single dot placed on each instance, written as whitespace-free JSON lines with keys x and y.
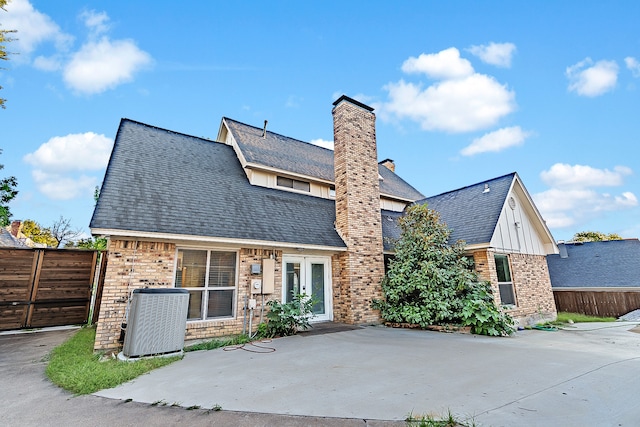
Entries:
{"x":463,"y":91}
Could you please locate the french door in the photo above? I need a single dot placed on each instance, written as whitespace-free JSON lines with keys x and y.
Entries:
{"x":309,"y":276}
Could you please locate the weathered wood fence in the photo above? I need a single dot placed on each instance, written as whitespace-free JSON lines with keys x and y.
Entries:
{"x":601,"y":302}
{"x":45,"y":287}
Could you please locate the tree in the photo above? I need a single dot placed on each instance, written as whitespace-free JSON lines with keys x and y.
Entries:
{"x":38,"y":233}
{"x":62,"y":232}
{"x":95,"y":243}
{"x":431,"y":282}
{"x":594,"y":236}
{"x":4,"y":38}
{"x":7,"y":193}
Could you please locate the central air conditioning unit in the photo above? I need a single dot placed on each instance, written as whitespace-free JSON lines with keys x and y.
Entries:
{"x":156,"y":323}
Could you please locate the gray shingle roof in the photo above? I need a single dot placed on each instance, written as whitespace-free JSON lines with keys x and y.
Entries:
{"x":614,"y":263}
{"x":470,"y":212}
{"x":165,"y":182}
{"x":282,"y":152}
{"x":8,"y":241}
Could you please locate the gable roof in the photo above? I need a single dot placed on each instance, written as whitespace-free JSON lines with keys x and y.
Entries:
{"x":613,"y":263}
{"x":8,"y":241}
{"x":471,"y":212}
{"x":279,"y":152}
{"x":159,"y":181}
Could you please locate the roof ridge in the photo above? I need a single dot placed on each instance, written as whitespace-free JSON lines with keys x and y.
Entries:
{"x":275,"y":133}
{"x":473,"y":185}
{"x":165,"y":130}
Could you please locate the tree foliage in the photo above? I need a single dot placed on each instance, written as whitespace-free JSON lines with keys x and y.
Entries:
{"x":3,"y":39}
{"x":7,"y":193}
{"x":95,"y":243}
{"x":38,"y":233}
{"x":431,"y":282}
{"x":594,"y":236}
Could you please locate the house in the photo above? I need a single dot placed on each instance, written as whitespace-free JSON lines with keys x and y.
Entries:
{"x":596,"y":278}
{"x":15,"y":231}
{"x":254,"y":216}
{"x":8,"y":240}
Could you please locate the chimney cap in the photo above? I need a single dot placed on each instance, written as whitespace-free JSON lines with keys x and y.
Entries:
{"x":352,"y":101}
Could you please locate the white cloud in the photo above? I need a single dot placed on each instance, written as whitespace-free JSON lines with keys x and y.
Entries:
{"x":562,"y":175}
{"x":572,"y":198}
{"x":59,"y":164}
{"x":633,"y":65}
{"x":498,"y":54}
{"x":99,"y":66}
{"x":589,"y":79}
{"x":33,"y":28}
{"x":322,"y":143}
{"x":462,"y":105}
{"x":495,"y":141}
{"x":445,"y":64}
{"x":96,"y":22}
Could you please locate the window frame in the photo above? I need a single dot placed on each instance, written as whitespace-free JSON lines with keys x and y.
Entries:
{"x":204,"y":301}
{"x":504,"y":284}
{"x":295,"y":184}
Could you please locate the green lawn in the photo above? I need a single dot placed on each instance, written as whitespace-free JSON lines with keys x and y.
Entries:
{"x":564,"y":317}
{"x":74,"y":366}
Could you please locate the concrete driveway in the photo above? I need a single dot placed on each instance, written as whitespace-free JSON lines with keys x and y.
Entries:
{"x":584,"y":376}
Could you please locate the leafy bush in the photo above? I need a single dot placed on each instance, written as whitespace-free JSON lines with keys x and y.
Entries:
{"x":284,"y":319}
{"x":430,"y":282}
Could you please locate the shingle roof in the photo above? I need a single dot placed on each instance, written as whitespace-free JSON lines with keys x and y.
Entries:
{"x":614,"y":263}
{"x":8,"y":241}
{"x":471,"y":212}
{"x":282,"y":152}
{"x":165,"y":182}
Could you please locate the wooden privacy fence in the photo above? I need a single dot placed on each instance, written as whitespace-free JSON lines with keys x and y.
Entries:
{"x":605,"y":303}
{"x":45,"y":287}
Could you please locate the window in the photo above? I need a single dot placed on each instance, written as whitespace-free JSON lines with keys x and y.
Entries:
{"x":210,"y":278}
{"x":505,"y":285}
{"x":293,"y":183}
{"x":332,"y":191}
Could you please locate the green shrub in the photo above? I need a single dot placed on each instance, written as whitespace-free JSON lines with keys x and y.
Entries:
{"x":284,"y":319}
{"x":431,"y":282}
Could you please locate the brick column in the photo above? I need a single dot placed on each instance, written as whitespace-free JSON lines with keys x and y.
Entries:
{"x":361,"y":267}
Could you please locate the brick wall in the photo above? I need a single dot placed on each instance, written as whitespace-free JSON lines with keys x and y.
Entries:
{"x":134,"y":264}
{"x":361,"y":267}
{"x":531,"y":282}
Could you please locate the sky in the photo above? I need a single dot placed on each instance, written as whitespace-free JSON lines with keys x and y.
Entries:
{"x":463,"y":92}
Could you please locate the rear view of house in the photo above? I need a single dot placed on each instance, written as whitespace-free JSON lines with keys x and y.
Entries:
{"x":257,"y":216}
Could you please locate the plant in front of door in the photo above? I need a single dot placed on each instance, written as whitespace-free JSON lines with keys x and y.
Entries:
{"x":430,"y":282}
{"x":284,"y":319}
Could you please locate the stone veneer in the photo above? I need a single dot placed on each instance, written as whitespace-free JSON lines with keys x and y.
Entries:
{"x":358,"y":271}
{"x":531,"y":282}
{"x":138,"y":264}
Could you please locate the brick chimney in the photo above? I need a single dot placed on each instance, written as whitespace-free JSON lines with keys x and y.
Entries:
{"x":389,"y":164}
{"x":16,"y":227}
{"x":358,"y":218}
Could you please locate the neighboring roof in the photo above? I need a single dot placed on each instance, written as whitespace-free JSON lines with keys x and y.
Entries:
{"x":159,"y":181}
{"x":8,"y":241}
{"x":298,"y":157}
{"x":613,"y":263}
{"x":471,"y":212}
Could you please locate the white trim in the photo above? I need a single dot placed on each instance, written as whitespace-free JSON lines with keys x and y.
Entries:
{"x":210,"y":239}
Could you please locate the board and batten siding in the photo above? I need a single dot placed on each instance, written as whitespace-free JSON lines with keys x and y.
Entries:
{"x":515,"y":231}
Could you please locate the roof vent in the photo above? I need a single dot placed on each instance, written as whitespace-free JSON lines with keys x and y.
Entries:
{"x":486,"y":189}
{"x":264,"y":129}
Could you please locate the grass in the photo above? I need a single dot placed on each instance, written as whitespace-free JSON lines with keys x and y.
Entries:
{"x":433,"y":421}
{"x":564,"y":317}
{"x":217,"y":343}
{"x":74,"y":366}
